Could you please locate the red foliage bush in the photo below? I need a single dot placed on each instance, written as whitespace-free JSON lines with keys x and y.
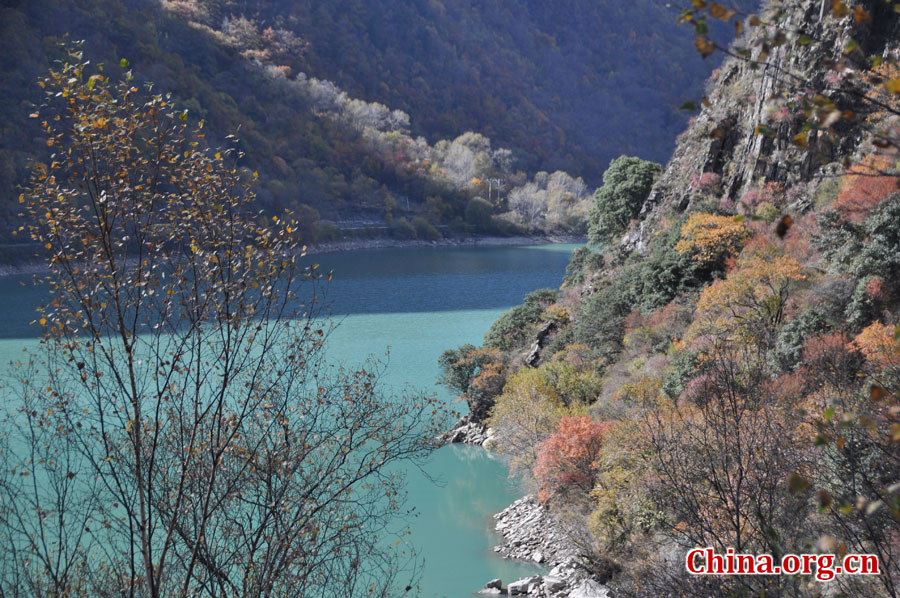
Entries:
{"x":865,"y":187}
{"x":568,"y":458}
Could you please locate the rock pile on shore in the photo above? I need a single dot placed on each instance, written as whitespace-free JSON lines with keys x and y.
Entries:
{"x":467,"y":431}
{"x":530,"y":533}
{"x":547,"y":586}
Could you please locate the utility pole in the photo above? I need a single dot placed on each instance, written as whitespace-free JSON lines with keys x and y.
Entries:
{"x":499,"y":183}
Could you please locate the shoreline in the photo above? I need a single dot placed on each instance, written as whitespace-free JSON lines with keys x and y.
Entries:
{"x":35,"y":267}
{"x":531,"y":533}
{"x":471,"y":241}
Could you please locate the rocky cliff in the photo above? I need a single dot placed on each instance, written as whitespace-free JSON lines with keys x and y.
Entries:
{"x":746,"y":133}
{"x":791,"y":166}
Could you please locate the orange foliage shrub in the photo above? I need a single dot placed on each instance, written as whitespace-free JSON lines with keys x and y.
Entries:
{"x":880,"y":344}
{"x":651,"y":332}
{"x":865,"y":186}
{"x":711,"y":238}
{"x":490,"y":377}
{"x":752,"y":299}
{"x":568,"y":457}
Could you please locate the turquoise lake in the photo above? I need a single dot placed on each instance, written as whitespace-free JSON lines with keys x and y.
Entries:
{"x":416,"y":302}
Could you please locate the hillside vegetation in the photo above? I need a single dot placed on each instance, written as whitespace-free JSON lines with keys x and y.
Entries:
{"x":725,"y":371}
{"x":408,"y":115}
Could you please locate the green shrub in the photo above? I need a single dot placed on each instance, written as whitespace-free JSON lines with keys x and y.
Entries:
{"x":679,"y":374}
{"x":793,"y":335}
{"x":478,"y":214}
{"x":768,"y":212}
{"x":668,"y":273}
{"x":626,"y":185}
{"x":583,"y":260}
{"x":516,"y":325}
{"x":600,"y":323}
{"x":402,"y":229}
{"x":425,"y":230}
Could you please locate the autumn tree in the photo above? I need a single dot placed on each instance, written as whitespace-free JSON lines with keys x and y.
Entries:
{"x":718,"y":476}
{"x":865,"y":185}
{"x":477,"y":374}
{"x":526,"y":413}
{"x":709,"y":238}
{"x":177,"y":432}
{"x":853,"y":389}
{"x":568,"y":459}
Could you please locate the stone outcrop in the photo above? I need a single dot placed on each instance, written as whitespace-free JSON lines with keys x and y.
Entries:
{"x":543,"y":334}
{"x":531,"y":533}
{"x":723,"y":139}
{"x":468,"y":431}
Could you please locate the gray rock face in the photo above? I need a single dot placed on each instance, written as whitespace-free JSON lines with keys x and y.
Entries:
{"x":722,"y":139}
{"x":466,"y":431}
{"x":589,"y":589}
{"x":531,"y":533}
{"x":524,"y":586}
{"x":534,"y":354}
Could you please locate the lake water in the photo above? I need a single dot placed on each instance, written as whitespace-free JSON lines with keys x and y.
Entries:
{"x":418,"y":302}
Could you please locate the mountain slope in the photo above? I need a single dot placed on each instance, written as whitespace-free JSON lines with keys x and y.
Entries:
{"x":567,"y":87}
{"x":726,"y":373}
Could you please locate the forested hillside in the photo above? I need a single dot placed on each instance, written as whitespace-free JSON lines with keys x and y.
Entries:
{"x":721,"y":368}
{"x":412,"y":114}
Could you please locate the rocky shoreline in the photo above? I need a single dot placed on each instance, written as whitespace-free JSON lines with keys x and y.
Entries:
{"x":467,"y":241}
{"x":468,"y":430}
{"x":531,"y":533}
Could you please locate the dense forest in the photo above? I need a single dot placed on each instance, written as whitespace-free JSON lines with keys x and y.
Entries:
{"x":408,"y":115}
{"x":721,"y":367}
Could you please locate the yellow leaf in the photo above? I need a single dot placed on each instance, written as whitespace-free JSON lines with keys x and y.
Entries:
{"x":720,"y":12}
{"x":255,"y":174}
{"x":43,"y":321}
{"x":860,"y":15}
{"x":801,"y":140}
{"x":704,"y":46}
{"x":21,"y":198}
{"x":839,"y":9}
{"x":892,"y":85}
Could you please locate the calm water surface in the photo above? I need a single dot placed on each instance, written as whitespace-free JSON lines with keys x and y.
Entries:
{"x":417,"y":302}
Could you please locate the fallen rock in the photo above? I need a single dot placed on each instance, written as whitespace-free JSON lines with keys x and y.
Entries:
{"x":553,"y":584}
{"x":524,"y":586}
{"x":530,"y":533}
{"x":466,"y":431}
{"x":589,"y":589}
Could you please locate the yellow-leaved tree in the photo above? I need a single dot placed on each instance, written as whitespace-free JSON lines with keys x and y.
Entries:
{"x":177,"y":432}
